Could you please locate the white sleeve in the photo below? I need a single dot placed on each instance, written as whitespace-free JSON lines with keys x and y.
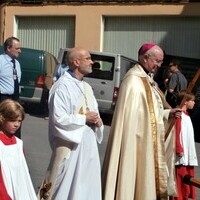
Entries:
{"x":64,"y":123}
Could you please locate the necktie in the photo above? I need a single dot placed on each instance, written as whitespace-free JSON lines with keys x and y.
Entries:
{"x":16,"y":83}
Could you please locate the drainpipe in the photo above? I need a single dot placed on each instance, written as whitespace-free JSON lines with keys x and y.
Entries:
{"x":2,"y":22}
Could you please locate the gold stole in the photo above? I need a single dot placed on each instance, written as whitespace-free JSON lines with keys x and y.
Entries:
{"x":154,"y":136}
{"x":87,"y":96}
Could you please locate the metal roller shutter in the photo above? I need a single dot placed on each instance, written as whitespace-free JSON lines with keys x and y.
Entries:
{"x":49,"y":33}
{"x":177,"y":35}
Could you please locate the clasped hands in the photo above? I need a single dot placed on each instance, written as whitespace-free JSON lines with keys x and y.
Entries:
{"x":93,"y":118}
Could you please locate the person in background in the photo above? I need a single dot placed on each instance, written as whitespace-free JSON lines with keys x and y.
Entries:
{"x":10,"y":71}
{"x":138,"y":163}
{"x":15,"y":181}
{"x":176,"y":83}
{"x":48,"y":82}
{"x":11,"y":53}
{"x":75,"y":127}
{"x":186,"y":157}
{"x":60,"y":69}
{"x":166,"y":80}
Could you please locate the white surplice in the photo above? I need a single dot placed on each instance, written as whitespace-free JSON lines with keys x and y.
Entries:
{"x":15,"y":172}
{"x":189,"y":157}
{"x":77,"y":172}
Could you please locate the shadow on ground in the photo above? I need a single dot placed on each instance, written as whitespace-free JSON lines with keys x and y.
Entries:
{"x":107,"y":118}
{"x":34,"y":109}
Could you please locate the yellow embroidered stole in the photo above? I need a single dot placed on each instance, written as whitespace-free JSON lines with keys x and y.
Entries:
{"x":159,"y":192}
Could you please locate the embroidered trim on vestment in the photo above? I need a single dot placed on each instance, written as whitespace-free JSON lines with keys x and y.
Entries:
{"x":154,"y":133}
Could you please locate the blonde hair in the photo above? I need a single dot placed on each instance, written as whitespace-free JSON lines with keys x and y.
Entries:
{"x":10,"y":110}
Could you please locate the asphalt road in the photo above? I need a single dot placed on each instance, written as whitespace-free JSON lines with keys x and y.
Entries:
{"x":37,"y":149}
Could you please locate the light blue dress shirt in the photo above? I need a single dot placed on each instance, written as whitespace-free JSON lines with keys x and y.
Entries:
{"x":6,"y":74}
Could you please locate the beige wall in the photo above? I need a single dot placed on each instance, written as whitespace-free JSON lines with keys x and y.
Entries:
{"x":88,"y":26}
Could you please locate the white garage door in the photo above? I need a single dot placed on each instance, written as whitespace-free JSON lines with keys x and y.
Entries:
{"x":46,"y":33}
{"x":178,"y":36}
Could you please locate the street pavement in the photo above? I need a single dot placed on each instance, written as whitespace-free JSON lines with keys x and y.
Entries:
{"x":38,"y":152}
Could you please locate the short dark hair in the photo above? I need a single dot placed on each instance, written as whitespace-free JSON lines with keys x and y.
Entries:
{"x":9,"y":42}
{"x":175,"y":62}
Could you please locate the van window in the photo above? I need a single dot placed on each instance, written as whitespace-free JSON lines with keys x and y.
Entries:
{"x":103,"y":67}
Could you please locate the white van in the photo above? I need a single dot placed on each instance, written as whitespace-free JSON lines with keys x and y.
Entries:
{"x":108,"y":72}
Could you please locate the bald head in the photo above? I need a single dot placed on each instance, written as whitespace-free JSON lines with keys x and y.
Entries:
{"x":75,"y":53}
{"x":79,"y":61}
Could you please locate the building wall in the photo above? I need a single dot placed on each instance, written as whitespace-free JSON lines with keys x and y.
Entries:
{"x":89,"y":25}
{"x":177,"y":35}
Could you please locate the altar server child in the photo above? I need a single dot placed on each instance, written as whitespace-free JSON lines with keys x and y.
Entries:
{"x":186,"y":157}
{"x":15,"y":181}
